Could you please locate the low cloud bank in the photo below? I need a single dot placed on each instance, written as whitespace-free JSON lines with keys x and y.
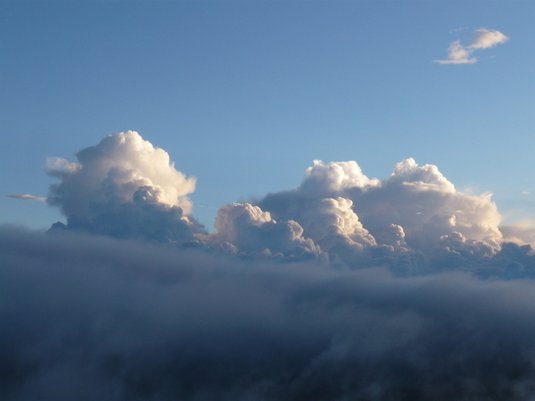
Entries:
{"x":88,"y":317}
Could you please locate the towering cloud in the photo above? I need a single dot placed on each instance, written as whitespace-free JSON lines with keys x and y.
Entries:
{"x":124,"y":187}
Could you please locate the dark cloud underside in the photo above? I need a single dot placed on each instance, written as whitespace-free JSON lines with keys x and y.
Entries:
{"x":94,"y":318}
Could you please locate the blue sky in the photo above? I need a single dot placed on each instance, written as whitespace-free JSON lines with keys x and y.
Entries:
{"x":244,"y":95}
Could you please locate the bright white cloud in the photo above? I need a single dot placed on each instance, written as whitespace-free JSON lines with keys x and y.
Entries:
{"x":483,"y":39}
{"x":245,"y":228}
{"x":123,"y":186}
{"x":335,"y":176}
{"x":330,"y":220}
{"x":114,"y":170}
{"x":127,"y":188}
{"x":416,"y":208}
{"x":422,"y":201}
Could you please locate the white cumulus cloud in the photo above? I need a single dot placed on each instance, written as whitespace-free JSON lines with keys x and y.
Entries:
{"x":413,"y":221}
{"x":123,"y":186}
{"x":246,"y":228}
{"x":416,"y":208}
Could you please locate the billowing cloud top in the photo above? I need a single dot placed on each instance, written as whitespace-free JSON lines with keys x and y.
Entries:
{"x":246,"y":228}
{"x":127,"y":188}
{"x":124,"y":186}
{"x":114,"y":170}
{"x":416,"y":209}
{"x":335,"y":176}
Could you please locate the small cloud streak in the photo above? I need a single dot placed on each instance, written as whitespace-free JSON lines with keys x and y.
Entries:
{"x":31,"y":197}
{"x":483,"y":39}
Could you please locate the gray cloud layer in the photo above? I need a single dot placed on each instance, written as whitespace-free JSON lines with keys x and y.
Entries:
{"x":89,"y":317}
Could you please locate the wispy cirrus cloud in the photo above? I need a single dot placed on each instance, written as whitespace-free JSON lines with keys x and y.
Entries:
{"x":463,"y":54}
{"x":27,"y":197}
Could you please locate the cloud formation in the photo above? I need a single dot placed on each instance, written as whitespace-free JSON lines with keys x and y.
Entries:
{"x":96,"y":318}
{"x":458,"y":54}
{"x":417,"y":210}
{"x":344,"y":288}
{"x":27,"y":197}
{"x":486,"y":38}
{"x":248,"y":230}
{"x":483,"y":39}
{"x":124,"y":187}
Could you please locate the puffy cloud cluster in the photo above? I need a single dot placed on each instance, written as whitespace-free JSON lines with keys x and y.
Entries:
{"x":415,"y":209}
{"x":334,"y":177}
{"x":124,"y":187}
{"x":428,"y":207}
{"x":246,"y":229}
{"x":91,"y":317}
{"x":127,"y":188}
{"x":483,"y":39}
